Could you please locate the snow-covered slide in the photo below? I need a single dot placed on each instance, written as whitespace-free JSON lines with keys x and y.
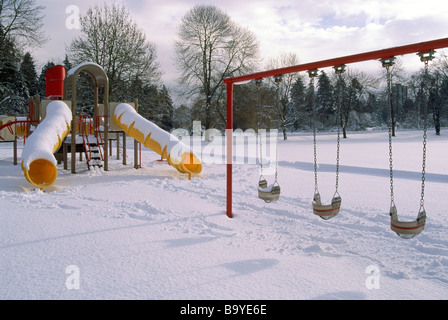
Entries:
{"x":38,"y":161}
{"x":178,"y":154}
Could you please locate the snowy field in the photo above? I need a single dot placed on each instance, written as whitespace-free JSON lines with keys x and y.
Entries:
{"x":153,"y":234}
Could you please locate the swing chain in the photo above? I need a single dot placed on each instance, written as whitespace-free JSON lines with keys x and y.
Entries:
{"x":276,"y":157}
{"x":425,"y":57}
{"x":337,"y":159}
{"x":391,"y":165}
{"x":422,"y":200}
{"x":312,"y":74}
{"x":278,"y":79}
{"x":338,"y":70}
{"x":258,"y":83}
{"x":391,"y":174}
{"x":387,"y":63}
{"x":261,"y":154}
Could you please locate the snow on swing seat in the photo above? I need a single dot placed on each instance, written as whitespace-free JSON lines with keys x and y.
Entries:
{"x":269,"y":193}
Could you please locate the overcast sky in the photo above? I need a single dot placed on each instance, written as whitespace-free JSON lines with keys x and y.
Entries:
{"x":313,"y":29}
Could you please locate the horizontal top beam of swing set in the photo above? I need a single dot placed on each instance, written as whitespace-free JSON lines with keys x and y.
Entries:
{"x":422,"y":47}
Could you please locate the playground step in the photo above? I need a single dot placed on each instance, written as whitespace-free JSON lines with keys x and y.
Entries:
{"x":94,"y":163}
{"x":92,"y":146}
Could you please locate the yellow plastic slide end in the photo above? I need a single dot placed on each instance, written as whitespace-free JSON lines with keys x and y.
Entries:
{"x":188,"y":162}
{"x":39,"y":163}
{"x":42,"y":173}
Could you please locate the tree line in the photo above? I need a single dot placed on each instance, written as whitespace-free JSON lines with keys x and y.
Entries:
{"x":363,"y":100}
{"x":210,"y":47}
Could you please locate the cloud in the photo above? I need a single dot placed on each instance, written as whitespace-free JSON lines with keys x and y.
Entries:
{"x":55,"y":26}
{"x":314,"y":30}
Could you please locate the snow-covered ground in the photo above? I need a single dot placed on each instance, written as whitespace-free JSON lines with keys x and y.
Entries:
{"x":153,"y":234}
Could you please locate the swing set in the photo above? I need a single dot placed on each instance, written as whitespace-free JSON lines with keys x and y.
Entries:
{"x":271,"y":193}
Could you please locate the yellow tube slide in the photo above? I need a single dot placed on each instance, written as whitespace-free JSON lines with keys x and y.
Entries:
{"x":38,"y":161}
{"x":158,"y":140}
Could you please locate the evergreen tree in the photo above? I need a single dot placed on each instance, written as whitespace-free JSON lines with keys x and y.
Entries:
{"x":165,"y":110}
{"x":373,"y":108}
{"x":29,"y":74}
{"x":85,"y":94}
{"x":342,"y":99}
{"x":148,"y":100}
{"x":435,"y":104}
{"x":298,"y":93}
{"x":310,"y":101}
{"x":399,"y":96}
{"x":325,"y":106}
{"x":67,"y":64}
{"x":11,"y":84}
{"x":41,"y":89}
{"x":182,"y":118}
{"x":420,"y":100}
{"x":298,"y":107}
{"x":444,"y":97}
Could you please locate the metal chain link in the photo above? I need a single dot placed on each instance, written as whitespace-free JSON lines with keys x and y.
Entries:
{"x":312,"y":76}
{"x":258,"y":83}
{"x":389,"y":98}
{"x":276,"y":157}
{"x":425,"y":129}
{"x":261,"y":153}
{"x":277,"y":83}
{"x":337,"y":160}
{"x":339,"y":71}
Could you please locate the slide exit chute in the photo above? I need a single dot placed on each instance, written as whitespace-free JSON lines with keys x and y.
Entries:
{"x":38,"y":161}
{"x":169,"y":147}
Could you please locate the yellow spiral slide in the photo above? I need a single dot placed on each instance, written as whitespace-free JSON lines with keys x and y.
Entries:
{"x":158,"y":140}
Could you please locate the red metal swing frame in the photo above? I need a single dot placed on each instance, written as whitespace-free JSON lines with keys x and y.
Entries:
{"x":422,"y":47}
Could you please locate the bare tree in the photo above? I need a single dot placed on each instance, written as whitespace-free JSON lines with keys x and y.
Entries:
{"x":397,"y":76}
{"x":112,"y":40}
{"x":285,"y":116}
{"x":441,"y":64}
{"x":22,"y":21}
{"x":351,"y":90}
{"x":20,"y":26}
{"x":210,"y":48}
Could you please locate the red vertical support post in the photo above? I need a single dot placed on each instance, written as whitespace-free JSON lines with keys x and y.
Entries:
{"x":229,"y":138}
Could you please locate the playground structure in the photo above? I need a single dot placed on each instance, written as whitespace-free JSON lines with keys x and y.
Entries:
{"x":425,"y":50}
{"x":53,"y":130}
{"x":127,"y":121}
{"x":12,"y":127}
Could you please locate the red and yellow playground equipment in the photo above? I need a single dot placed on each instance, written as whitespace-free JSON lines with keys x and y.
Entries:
{"x":53,"y":130}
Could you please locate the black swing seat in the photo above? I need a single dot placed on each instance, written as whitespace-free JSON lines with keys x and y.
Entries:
{"x":268,"y":193}
{"x":328,"y":211}
{"x":408,"y":229}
